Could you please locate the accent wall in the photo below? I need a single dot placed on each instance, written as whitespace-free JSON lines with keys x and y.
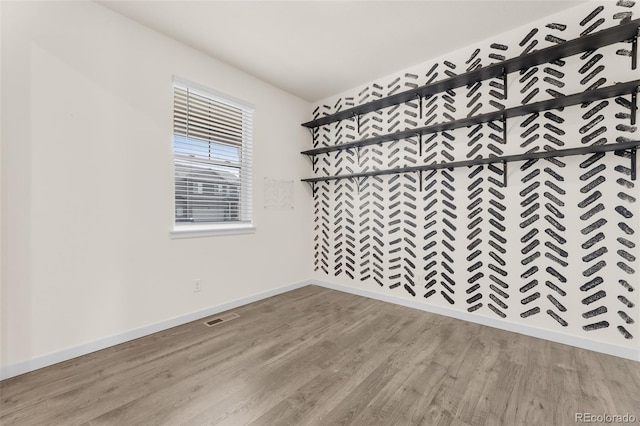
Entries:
{"x":555,"y":249}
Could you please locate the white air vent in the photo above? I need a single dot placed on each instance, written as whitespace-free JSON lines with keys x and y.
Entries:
{"x":220,"y":319}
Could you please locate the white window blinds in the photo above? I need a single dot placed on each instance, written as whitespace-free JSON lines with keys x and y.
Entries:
{"x":212,"y":147}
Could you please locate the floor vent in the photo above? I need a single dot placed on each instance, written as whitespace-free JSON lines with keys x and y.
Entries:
{"x":220,"y":319}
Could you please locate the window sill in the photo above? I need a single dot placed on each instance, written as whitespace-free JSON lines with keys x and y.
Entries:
{"x":210,"y":230}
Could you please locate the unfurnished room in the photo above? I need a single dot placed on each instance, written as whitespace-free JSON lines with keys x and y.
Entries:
{"x":319,"y":212}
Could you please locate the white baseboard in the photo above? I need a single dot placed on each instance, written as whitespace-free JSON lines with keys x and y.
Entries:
{"x":96,"y":345}
{"x":566,"y":339}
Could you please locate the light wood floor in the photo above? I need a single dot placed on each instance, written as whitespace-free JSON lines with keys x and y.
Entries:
{"x":315,"y":356}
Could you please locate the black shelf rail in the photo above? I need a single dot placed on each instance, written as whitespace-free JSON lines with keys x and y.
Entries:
{"x":630,"y":87}
{"x":620,"y":33}
{"x":630,"y":146}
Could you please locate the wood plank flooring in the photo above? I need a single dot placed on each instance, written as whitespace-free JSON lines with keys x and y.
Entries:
{"x":315,"y":356}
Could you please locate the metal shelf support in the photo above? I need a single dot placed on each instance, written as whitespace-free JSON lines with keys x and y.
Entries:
{"x":312,"y":184}
{"x":504,"y":173}
{"x":634,"y":106}
{"x":314,"y":131}
{"x":504,"y":82}
{"x":634,"y":50}
{"x":504,"y":129}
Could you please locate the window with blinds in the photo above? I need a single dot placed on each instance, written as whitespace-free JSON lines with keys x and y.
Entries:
{"x":212,"y":141}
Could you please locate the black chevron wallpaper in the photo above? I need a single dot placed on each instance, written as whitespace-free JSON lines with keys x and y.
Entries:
{"x":557,"y":248}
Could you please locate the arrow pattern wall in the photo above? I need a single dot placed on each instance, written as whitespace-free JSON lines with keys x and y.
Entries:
{"x":557,"y":248}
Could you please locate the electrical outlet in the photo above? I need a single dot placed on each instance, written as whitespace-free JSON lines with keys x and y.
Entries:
{"x":197,"y":285}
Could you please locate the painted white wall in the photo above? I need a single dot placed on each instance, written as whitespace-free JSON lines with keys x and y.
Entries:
{"x":87,"y":182}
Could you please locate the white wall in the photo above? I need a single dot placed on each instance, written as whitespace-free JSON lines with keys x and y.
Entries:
{"x":87,"y":182}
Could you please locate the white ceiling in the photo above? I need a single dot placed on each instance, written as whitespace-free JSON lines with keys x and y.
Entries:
{"x":315,"y":49}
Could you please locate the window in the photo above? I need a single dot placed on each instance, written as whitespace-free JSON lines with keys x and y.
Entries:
{"x":198,"y":188}
{"x":212,"y":145}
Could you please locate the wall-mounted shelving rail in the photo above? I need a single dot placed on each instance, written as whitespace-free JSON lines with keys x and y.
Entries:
{"x":630,"y":147}
{"x":630,"y":87}
{"x":624,"y":32}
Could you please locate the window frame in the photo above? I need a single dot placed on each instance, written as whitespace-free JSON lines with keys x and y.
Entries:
{"x":202,"y":229}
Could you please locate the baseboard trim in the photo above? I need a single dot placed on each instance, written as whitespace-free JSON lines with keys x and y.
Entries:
{"x":566,"y":339}
{"x":96,"y":345}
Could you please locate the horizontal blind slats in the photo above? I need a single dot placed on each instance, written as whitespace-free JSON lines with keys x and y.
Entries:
{"x":207,"y":117}
{"x":185,"y":97}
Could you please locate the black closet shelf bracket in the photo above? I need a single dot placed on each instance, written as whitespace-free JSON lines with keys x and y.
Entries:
{"x":634,"y":106}
{"x":504,"y":174}
{"x":313,"y":131}
{"x":420,"y":178}
{"x":357,"y":182}
{"x":312,"y":157}
{"x":312,"y":184}
{"x":633,"y":163}
{"x":504,"y":129}
{"x":634,"y":50}
{"x":504,"y":82}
